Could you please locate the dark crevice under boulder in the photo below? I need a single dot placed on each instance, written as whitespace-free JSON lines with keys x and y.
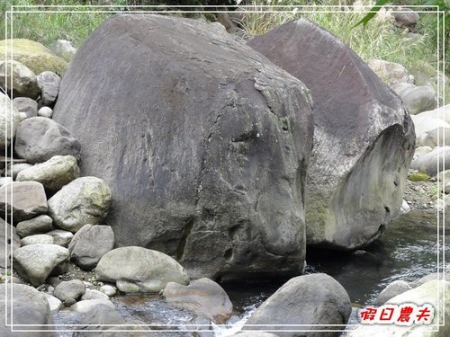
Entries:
{"x":203,"y":142}
{"x":363,"y":137}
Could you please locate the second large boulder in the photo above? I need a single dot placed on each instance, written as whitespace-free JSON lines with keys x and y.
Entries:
{"x":203,"y":142}
{"x":363,"y":137}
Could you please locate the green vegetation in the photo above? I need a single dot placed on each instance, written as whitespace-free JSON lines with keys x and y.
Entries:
{"x":418,"y":176}
{"x":46,"y":28}
{"x":432,"y":22}
{"x":378,"y":39}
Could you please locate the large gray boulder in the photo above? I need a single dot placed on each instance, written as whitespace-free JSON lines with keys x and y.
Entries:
{"x":136,"y":269}
{"x":204,"y":143}
{"x":89,"y":244}
{"x":23,"y":200}
{"x":315,"y":299}
{"x":34,"y":263}
{"x":39,"y":138}
{"x":363,"y":137}
{"x":85,"y":200}
{"x":9,"y":120}
{"x":27,"y":309}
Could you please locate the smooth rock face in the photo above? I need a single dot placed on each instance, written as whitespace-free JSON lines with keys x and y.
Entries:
{"x":29,"y":307}
{"x":9,"y":120}
{"x":419,"y":99}
{"x":38,"y":225}
{"x":55,"y":173}
{"x":32,"y":54}
{"x":224,"y":192}
{"x":24,"y":200}
{"x":38,"y":139}
{"x":204,"y":296}
{"x":85,"y":200}
{"x":136,"y":269}
{"x":9,"y":242}
{"x":363,"y":137}
{"x":26,"y":105}
{"x":49,"y":83}
{"x":69,"y":292}
{"x":430,"y":293}
{"x":89,"y":244}
{"x":35,"y":263}
{"x":310,"y":299}
{"x":24,"y":81}
{"x":429,"y":162}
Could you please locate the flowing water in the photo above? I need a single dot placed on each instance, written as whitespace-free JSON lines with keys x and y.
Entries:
{"x":412,"y":247}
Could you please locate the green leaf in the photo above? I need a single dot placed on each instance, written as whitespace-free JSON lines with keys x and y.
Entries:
{"x":378,"y":5}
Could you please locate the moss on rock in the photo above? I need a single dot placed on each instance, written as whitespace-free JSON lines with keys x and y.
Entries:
{"x":418,"y":176}
{"x":32,"y":54}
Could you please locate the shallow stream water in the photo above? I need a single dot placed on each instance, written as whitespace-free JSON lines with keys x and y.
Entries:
{"x":413,"y":246}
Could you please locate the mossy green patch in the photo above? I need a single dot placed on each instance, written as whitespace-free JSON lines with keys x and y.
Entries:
{"x":418,"y":176}
{"x":32,"y":54}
